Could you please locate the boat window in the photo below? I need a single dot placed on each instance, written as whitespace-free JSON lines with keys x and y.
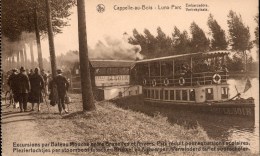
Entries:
{"x":151,"y":93}
{"x":166,"y":96}
{"x":148,"y":93}
{"x":112,"y":71}
{"x":145,"y":93}
{"x":209,"y":93}
{"x":100,"y":71}
{"x":192,"y":94}
{"x":156,"y":94}
{"x":171,"y":94}
{"x":224,"y":92}
{"x":184,"y":95}
{"x":178,"y":95}
{"x":123,"y":71}
{"x":161,"y":94}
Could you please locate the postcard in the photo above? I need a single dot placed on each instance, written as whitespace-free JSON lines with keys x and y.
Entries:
{"x":129,"y":77}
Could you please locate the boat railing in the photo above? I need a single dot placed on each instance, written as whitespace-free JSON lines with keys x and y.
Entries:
{"x":193,"y":79}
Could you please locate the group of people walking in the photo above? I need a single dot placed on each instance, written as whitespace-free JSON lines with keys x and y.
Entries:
{"x":30,"y":87}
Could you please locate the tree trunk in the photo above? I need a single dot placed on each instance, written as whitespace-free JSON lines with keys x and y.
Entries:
{"x":7,"y":63}
{"x":18,"y":59}
{"x":87,"y":94}
{"x":32,"y":56}
{"x":38,"y":40}
{"x":51,"y":41}
{"x":25,"y":57}
{"x":22,"y":57}
{"x":13,"y":62}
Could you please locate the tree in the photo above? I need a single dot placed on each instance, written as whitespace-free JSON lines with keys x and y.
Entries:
{"x":218,"y":41}
{"x":87,"y":94}
{"x":164,"y":44}
{"x":152,"y":46}
{"x":239,"y":35}
{"x":181,"y":41}
{"x":257,"y":32}
{"x":199,"y":41}
{"x":139,"y":39}
{"x":21,"y":16}
{"x":151,"y":43}
{"x":234,"y":63}
{"x":51,"y":41}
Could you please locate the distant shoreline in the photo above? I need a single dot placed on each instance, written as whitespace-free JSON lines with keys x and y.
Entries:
{"x":250,"y":74}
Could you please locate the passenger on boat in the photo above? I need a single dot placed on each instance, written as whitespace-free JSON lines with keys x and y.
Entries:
{"x":192,"y":95}
{"x":188,"y":72}
{"x":224,"y":68}
{"x":204,"y":66}
{"x":183,"y":69}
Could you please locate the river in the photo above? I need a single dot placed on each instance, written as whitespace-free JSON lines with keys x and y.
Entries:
{"x":246,"y":132}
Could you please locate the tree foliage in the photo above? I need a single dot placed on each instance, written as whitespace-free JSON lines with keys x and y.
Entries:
{"x":164,"y":43}
{"x":153,"y":46}
{"x":18,"y":16}
{"x":257,"y":32}
{"x":235,"y":63}
{"x":238,"y":32}
{"x":199,"y":41}
{"x":181,"y":41}
{"x":218,"y":41}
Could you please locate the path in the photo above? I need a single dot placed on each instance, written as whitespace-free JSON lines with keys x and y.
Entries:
{"x":20,"y":128}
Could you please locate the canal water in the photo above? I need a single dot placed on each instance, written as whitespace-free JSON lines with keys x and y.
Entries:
{"x":218,"y":127}
{"x":245,"y":132}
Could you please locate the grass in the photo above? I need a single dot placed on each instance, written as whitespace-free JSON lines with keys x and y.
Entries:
{"x":109,"y":123}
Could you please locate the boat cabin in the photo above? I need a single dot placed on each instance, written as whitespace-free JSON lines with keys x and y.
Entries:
{"x":112,"y":72}
{"x":111,"y":79}
{"x":195,"y":77}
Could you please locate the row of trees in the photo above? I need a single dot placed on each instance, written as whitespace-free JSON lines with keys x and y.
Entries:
{"x":45,"y":17}
{"x":26,"y":21}
{"x":180,"y":42}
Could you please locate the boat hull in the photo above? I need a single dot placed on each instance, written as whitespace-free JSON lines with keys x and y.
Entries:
{"x":241,"y":108}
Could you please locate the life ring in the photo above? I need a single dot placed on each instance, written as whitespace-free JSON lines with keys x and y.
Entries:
{"x":144,"y":82}
{"x":181,"y":81}
{"x":153,"y":82}
{"x":216,"y":78}
{"x":166,"y":82}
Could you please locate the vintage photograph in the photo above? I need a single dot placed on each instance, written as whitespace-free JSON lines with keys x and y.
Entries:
{"x":129,"y":77}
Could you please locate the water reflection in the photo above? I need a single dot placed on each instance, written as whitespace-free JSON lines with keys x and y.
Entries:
{"x":242,"y":132}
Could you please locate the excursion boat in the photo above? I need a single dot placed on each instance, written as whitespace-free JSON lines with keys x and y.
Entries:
{"x":196,"y":82}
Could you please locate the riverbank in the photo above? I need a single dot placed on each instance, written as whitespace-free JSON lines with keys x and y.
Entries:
{"x":239,"y":75}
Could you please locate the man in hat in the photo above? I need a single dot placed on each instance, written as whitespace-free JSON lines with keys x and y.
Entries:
{"x":23,"y":89}
{"x":13,"y":83}
{"x":62,"y":87}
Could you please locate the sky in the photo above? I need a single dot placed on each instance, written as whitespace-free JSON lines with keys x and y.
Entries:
{"x":114,"y":22}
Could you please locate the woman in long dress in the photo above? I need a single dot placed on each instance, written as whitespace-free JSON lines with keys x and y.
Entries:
{"x":37,"y":85}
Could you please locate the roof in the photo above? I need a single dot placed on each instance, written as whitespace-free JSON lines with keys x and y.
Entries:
{"x":112,"y":63}
{"x":199,"y":54}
